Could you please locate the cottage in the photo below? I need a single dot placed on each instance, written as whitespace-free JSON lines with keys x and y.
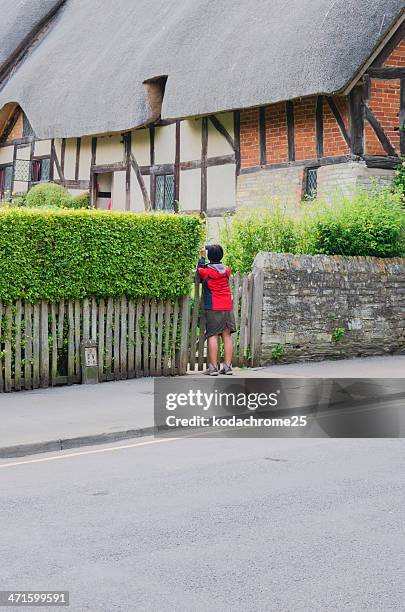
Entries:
{"x":206,"y":105}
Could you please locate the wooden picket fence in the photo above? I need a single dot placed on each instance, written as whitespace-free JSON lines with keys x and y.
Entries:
{"x":40,"y":344}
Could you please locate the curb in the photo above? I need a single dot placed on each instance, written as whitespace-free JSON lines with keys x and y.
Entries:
{"x":51,"y":446}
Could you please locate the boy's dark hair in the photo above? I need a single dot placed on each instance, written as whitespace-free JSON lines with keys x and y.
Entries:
{"x":215,"y":253}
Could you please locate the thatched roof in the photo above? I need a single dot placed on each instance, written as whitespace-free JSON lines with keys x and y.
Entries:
{"x":86,"y":75}
{"x":18,"y":18}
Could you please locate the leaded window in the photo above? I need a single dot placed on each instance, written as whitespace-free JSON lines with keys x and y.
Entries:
{"x":27,"y":127}
{"x":311,"y":182}
{"x":6,"y":178}
{"x":40,"y":170}
{"x":164,"y":196}
{"x":22,"y":170}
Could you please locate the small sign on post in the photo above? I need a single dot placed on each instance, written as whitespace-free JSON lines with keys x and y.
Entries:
{"x":89,"y":358}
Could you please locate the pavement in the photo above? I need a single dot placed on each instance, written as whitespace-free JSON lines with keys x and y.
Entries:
{"x":60,"y":418}
{"x":209,"y":524}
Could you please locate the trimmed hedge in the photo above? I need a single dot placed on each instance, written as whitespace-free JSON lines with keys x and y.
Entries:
{"x":72,"y":254}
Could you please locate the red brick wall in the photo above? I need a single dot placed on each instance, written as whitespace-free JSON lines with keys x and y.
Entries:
{"x":17,"y":130}
{"x":333,"y":142}
{"x":249,"y":138}
{"x":384,"y":101}
{"x":397,"y":57}
{"x":276,"y":134}
{"x":304,"y":123}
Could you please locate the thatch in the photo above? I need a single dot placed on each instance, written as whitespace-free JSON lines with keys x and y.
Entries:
{"x":86,"y":76}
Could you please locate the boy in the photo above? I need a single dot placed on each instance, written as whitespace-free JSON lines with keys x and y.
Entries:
{"x":220,"y":320}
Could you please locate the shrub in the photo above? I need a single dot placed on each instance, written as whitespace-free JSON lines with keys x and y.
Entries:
{"x":249,"y":232}
{"x":80,"y":201}
{"x":399,"y":179}
{"x":47,"y":195}
{"x":54,"y":254}
{"x":368,"y":223}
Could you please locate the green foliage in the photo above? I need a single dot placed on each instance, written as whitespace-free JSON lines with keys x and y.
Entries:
{"x":51,"y":195}
{"x":368,"y":222}
{"x":54,"y":254}
{"x":80,"y":201}
{"x":364,"y":223}
{"x":338,"y":334}
{"x":249,"y":232}
{"x":278,"y":351}
{"x":47,"y":195}
{"x":399,"y":178}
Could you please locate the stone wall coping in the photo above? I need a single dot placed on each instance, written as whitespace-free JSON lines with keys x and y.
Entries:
{"x":267,"y":262}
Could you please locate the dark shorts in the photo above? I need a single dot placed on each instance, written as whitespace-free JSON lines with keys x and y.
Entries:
{"x":216,"y":321}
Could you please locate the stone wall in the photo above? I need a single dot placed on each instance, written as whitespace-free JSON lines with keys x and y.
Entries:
{"x":309,"y":300}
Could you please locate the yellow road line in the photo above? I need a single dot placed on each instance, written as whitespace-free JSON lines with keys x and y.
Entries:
{"x":88,"y":452}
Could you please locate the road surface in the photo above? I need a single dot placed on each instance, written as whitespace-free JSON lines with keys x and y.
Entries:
{"x":210,"y":524}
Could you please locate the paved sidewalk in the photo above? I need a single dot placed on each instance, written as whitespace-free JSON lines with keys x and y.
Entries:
{"x":67,"y":417}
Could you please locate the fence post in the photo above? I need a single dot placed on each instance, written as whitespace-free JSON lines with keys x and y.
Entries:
{"x":44,"y":346}
{"x":184,"y":338}
{"x":256,"y":317}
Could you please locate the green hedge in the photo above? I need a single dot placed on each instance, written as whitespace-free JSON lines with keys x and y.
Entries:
{"x":54,"y":254}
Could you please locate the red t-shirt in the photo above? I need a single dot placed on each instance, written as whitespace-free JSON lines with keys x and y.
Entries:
{"x":216,"y":292}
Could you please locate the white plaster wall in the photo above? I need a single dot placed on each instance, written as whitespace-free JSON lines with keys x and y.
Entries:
{"x":23,"y":153}
{"x":217,"y":144}
{"x":137,"y":204}
{"x":190,"y":189}
{"x":221,"y":186}
{"x":165,"y":144}
{"x":70,"y":159}
{"x":42,"y":148}
{"x":110,"y":149}
{"x":20,"y":187}
{"x":85,"y":159}
{"x":118,"y":191}
{"x":141,"y":146}
{"x":190,"y":139}
{"x":6,"y":155}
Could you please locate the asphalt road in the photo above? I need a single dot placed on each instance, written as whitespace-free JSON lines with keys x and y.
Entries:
{"x":213,"y":525}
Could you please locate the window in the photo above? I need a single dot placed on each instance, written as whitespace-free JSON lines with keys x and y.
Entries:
{"x":311,"y":182}
{"x":6,"y":177}
{"x":164,"y":196}
{"x":27,"y":128}
{"x":40,"y":170}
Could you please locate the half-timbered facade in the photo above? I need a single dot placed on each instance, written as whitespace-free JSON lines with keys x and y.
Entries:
{"x":203,"y":109}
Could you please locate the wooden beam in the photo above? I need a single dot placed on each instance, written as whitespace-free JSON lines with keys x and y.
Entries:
{"x":55,"y":159}
{"x":262,"y":135}
{"x":379,"y":131}
{"x":71,"y":184}
{"x":177,"y":168}
{"x":62,"y":155}
{"x":93,"y":150}
{"x":357,"y":120}
{"x":93,"y":181}
{"x":127,"y":137}
{"x":13,"y":171}
{"x":394,"y":41}
{"x":222,"y":130}
{"x":385,"y":162}
{"x":290,"y":130}
{"x":402,"y":118}
{"x":135,"y":166}
{"x":339,"y":120}
{"x":204,"y":150}
{"x":152,"y":186}
{"x":77,"y":165}
{"x":236,"y":132}
{"x":306,"y":163}
{"x":319,"y":126}
{"x":114,"y":167}
{"x":52,"y":160}
{"x":386,"y":73}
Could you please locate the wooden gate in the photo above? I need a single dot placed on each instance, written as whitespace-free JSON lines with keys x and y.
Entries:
{"x":40,"y":344}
